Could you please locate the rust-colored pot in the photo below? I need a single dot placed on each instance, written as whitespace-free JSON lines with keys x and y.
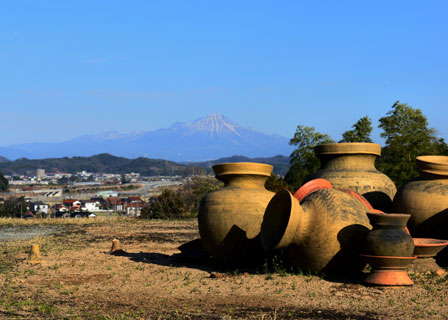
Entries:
{"x":352,"y":166}
{"x":323,"y":233}
{"x":425,"y":250}
{"x":389,"y":271}
{"x":388,"y":236}
{"x":230,"y":218}
{"x":426,"y":199}
{"x":310,"y":187}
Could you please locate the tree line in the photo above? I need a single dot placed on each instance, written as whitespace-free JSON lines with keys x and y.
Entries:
{"x":406,"y":133}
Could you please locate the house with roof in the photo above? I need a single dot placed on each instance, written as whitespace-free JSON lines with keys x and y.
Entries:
{"x":39,"y":208}
{"x":72,"y":204}
{"x":116,"y":204}
{"x":91,"y":206}
{"x":135,"y":209}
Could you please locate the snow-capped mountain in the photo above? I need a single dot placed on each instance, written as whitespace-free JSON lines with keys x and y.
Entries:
{"x":212,"y":137}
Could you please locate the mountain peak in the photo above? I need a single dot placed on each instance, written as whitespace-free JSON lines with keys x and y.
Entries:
{"x":214,"y":125}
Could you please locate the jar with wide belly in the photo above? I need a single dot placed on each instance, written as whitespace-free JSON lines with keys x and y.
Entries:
{"x":325,"y":232}
{"x":426,"y":199}
{"x":230,"y":218}
{"x":352,"y":166}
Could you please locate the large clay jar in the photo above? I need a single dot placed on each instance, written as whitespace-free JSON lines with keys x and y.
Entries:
{"x":352,"y":166}
{"x":323,"y":233}
{"x":426,"y":200}
{"x":230,"y":218}
{"x":388,"y":236}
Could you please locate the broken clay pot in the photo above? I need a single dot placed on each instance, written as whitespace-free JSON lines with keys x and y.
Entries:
{"x":230,"y":218}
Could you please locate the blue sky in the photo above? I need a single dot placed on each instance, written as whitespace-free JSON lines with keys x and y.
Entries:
{"x":69,"y":68}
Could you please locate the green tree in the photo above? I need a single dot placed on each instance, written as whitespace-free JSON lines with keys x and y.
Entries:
{"x":407,"y":137}
{"x":3,"y":183}
{"x":303,"y":160}
{"x":360,"y":133}
{"x":168,"y":205}
{"x":275,"y":183}
{"x":13,"y":208}
{"x":197,"y":188}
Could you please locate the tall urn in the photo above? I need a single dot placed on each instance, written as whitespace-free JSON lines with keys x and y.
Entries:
{"x":352,"y":166}
{"x":230,"y":218}
{"x":322,"y":233}
{"x":426,"y":200}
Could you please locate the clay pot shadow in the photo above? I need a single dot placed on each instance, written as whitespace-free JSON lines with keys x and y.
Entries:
{"x":193,"y":255}
{"x":345,"y":266}
{"x":381,"y":200}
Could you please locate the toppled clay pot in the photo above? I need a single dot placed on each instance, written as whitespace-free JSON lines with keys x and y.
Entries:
{"x":230,"y":218}
{"x":323,"y":233}
{"x":352,"y":166}
{"x":426,"y":200}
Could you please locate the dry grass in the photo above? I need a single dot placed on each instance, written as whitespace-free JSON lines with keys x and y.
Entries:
{"x":80,"y":280}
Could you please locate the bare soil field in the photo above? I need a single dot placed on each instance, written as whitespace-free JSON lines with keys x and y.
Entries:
{"x":79,"y":279}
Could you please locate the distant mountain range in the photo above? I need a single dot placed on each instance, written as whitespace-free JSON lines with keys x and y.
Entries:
{"x":108,"y":163}
{"x":212,"y":137}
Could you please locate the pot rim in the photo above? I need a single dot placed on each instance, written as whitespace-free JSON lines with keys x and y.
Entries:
{"x":434,"y":243}
{"x":312,"y":186}
{"x":388,"y":257}
{"x":348,"y":148}
{"x":253,"y":168}
{"x":393,"y":219}
{"x":433,"y":164}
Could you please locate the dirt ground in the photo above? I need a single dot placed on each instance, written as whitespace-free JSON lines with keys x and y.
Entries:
{"x":79,"y":279}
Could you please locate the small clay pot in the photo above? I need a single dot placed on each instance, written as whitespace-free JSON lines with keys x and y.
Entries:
{"x":425,"y":250}
{"x":388,"y":236}
{"x":352,"y":166}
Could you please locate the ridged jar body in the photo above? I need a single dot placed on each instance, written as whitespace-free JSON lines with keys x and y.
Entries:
{"x":426,"y":200}
{"x":324,"y":233}
{"x":352,"y":166}
{"x":230,"y":218}
{"x":388,"y":236}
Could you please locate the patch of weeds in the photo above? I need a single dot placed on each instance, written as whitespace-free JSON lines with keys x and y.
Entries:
{"x":54,"y":267}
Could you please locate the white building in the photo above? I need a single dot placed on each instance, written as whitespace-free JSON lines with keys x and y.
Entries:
{"x":91,"y":206}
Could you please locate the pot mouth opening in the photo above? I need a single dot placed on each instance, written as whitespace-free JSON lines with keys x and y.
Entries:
{"x":437,"y":165}
{"x":428,"y":242}
{"x":249,"y":168}
{"x":276,"y":219}
{"x":388,"y":219}
{"x":348,"y":148}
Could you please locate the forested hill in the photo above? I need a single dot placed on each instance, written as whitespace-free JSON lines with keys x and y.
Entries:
{"x":108,"y":163}
{"x":104,"y":162}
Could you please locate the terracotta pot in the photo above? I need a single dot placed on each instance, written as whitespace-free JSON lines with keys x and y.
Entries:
{"x":425,"y":250}
{"x":388,"y":236}
{"x":230,"y":218}
{"x":310,"y":187}
{"x":352,"y":166}
{"x":389,"y":271}
{"x":323,"y":233}
{"x":426,"y":199}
